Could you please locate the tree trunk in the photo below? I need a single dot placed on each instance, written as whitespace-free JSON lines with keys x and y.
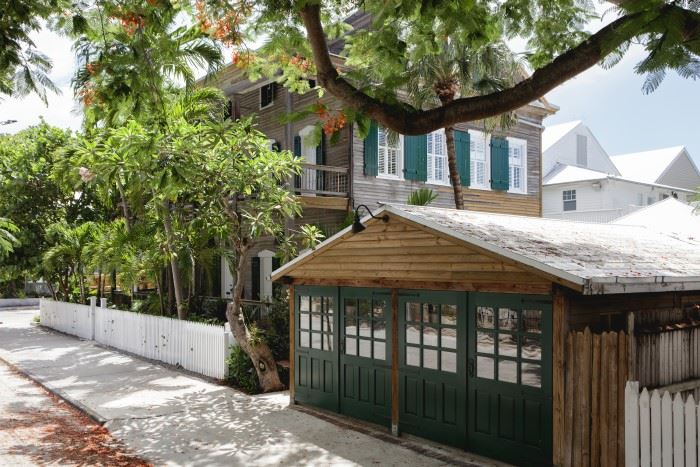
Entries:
{"x":452,"y":164}
{"x":125,"y":206}
{"x":177,"y":281}
{"x":260,"y":353}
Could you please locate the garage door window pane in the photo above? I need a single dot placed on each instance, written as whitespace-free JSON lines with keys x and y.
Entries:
{"x":350,"y":346}
{"x":365,"y":330}
{"x":304,"y":339}
{"x":380,"y":350}
{"x":484,"y":317}
{"x":508,"y":371}
{"x":532,"y":321}
{"x":532,"y":348}
{"x":413,"y":312}
{"x":412,"y":334}
{"x":315,"y":340}
{"x":430,"y":336}
{"x":430,"y":359}
{"x":508,"y":345}
{"x":365,"y":348}
{"x":431,"y":313}
{"x":379,"y":330}
{"x":412,"y":356}
{"x":304,"y":304}
{"x":316,"y":305}
{"x":484,"y":367}
{"x":448,"y":316}
{"x":531,"y":374}
{"x":485,"y":342}
{"x":449,"y":338}
{"x":507,"y":319}
{"x":448,"y":361}
{"x":304,"y":321}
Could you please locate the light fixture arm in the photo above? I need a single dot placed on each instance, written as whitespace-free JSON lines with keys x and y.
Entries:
{"x":357,"y":226}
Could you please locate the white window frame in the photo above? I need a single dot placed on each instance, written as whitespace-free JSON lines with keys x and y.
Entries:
{"x":272,"y":102}
{"x":430,"y":160}
{"x":573,"y":198}
{"x":487,"y":161}
{"x":512,"y":143}
{"x":382,"y":151}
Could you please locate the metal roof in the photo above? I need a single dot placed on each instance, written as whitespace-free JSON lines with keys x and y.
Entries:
{"x":646,"y":166}
{"x":600,"y":258}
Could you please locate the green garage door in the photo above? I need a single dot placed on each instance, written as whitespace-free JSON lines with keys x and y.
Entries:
{"x":432,"y":366}
{"x":510,"y":378}
{"x":365,"y":354}
{"x":316,"y":349}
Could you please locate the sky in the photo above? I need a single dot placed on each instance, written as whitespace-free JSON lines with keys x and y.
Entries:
{"x":610,"y":102}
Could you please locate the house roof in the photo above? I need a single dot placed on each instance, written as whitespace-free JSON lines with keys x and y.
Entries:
{"x":670,"y":215}
{"x":562,"y":173}
{"x":554,"y":133}
{"x":646,"y":166}
{"x":595,"y":258}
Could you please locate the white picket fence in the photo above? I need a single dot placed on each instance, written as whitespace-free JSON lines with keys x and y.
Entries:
{"x":71,"y":318}
{"x":198,"y":347}
{"x":660,"y":430}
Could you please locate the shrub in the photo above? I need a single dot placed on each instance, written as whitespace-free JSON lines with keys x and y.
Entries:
{"x":241,"y":373}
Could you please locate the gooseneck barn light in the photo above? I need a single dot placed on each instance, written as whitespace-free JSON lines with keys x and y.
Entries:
{"x":357,"y":226}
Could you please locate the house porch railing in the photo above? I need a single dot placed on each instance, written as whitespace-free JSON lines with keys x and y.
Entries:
{"x":322,"y":180}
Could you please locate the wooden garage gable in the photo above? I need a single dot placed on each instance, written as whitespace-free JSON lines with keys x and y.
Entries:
{"x":403,"y":254}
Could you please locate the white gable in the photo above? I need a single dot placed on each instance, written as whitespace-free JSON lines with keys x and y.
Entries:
{"x":560,"y":145}
{"x":682,"y":172}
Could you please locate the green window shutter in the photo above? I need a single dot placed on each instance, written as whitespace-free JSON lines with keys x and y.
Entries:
{"x":321,"y":151}
{"x":499,"y":164}
{"x":415,"y":157}
{"x":462,"y":150}
{"x":297,"y":146}
{"x":371,"y":163}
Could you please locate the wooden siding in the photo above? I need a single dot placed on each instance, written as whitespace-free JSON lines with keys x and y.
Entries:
{"x":400,"y":254}
{"x":373,"y":190}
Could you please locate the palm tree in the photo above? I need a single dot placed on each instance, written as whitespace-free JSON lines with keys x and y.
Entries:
{"x":8,"y":241}
{"x":67,"y":258}
{"x":461,"y":71}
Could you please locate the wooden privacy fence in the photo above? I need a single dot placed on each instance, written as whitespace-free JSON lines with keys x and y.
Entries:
{"x":669,"y":357}
{"x":659,"y":430}
{"x":198,"y":347}
{"x":596,"y":371}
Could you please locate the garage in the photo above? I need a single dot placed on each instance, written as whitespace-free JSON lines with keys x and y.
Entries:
{"x":451,"y":325}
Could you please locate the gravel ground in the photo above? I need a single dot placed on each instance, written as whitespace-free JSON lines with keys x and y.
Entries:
{"x":37,"y":428}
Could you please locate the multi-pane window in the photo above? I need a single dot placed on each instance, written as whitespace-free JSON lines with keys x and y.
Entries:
{"x":517,"y":165}
{"x":365,"y":327}
{"x":431,"y":336}
{"x":569,"y":198}
{"x":478,"y":160}
{"x":390,"y":153}
{"x":267,"y":95}
{"x":437,"y":157}
{"x":509,"y":345}
{"x":316,"y":316}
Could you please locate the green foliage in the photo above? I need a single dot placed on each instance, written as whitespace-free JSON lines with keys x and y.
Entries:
{"x":23,"y":68}
{"x":241,"y":372}
{"x":421,"y":197}
{"x":8,"y":241}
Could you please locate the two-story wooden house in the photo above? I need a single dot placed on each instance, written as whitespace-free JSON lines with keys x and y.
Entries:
{"x":500,"y":172}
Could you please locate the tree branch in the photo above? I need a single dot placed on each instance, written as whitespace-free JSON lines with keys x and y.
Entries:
{"x":543,"y":80}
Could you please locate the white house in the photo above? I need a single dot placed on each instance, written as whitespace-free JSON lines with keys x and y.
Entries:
{"x":582,"y":182}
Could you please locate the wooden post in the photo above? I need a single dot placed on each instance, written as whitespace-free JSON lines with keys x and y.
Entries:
{"x":559,"y":310}
{"x":394,"y":362}
{"x":292,"y":344}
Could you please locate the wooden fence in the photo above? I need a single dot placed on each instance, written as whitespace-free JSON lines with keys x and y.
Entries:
{"x":660,"y":430}
{"x":669,"y":357}
{"x":198,"y":347}
{"x":596,"y":371}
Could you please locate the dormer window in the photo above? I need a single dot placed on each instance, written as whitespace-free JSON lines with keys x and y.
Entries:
{"x":267,"y":95}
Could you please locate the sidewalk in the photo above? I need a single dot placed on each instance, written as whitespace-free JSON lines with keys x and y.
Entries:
{"x":171,"y":418}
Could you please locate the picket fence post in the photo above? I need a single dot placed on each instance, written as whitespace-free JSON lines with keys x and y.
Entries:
{"x":93,"y":304}
{"x":632,"y":424}
{"x":228,"y":342}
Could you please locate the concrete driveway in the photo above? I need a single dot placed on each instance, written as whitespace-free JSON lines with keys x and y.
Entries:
{"x":172,"y":418}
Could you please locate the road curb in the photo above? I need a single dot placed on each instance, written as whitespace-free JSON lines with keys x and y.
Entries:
{"x":94,"y":416}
